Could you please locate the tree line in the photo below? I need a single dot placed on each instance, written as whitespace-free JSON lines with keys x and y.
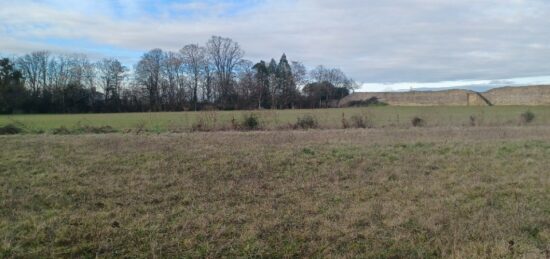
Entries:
{"x":213,"y":76}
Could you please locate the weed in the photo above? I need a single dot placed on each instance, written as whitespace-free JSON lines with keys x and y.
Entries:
{"x":360,"y":121}
{"x":345,"y":123}
{"x":306,"y":122}
{"x":86,"y":129}
{"x":140,"y":127}
{"x":10,"y":129}
{"x":206,"y":121}
{"x":373,"y":101}
{"x":308,"y":151}
{"x":418,"y":122}
{"x":526,"y":117}
{"x":61,"y":131}
{"x":473,"y":120}
{"x":357,"y":121}
{"x":250,"y":122}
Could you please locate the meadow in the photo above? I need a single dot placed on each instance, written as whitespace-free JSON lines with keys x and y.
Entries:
{"x":386,"y":116}
{"x":448,"y":189}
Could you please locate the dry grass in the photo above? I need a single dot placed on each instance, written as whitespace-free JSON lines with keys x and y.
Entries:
{"x":416,"y":193}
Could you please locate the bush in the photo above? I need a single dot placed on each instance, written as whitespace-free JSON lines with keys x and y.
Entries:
{"x":61,"y":131}
{"x":206,"y":121}
{"x":306,"y":122}
{"x":140,"y":127}
{"x":359,"y":121}
{"x":83,"y":130}
{"x":345,"y":123}
{"x":10,"y":129}
{"x":526,"y":117}
{"x":96,"y":130}
{"x":473,"y":120}
{"x":250,"y":122}
{"x":308,"y":151}
{"x":373,"y":101}
{"x":418,"y":122}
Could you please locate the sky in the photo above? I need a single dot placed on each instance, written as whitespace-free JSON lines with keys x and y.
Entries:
{"x":386,"y":45}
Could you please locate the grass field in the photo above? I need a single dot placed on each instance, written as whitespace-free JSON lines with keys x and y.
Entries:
{"x":452,"y":192}
{"x":473,"y":182}
{"x":280,"y":119}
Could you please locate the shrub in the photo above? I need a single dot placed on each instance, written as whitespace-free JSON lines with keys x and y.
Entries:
{"x":140,"y":127}
{"x":10,"y":129}
{"x":199,"y":126}
{"x":84,"y":130}
{"x":473,"y":120}
{"x":306,"y":122}
{"x":250,"y":122}
{"x":61,"y":131}
{"x":359,"y":121}
{"x":418,"y":122}
{"x":345,"y":123}
{"x":96,"y":130}
{"x":37,"y":131}
{"x":526,"y":117}
{"x":206,"y":121}
{"x":308,"y":151}
{"x":373,"y":101}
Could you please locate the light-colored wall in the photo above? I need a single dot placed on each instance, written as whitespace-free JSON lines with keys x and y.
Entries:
{"x":529,"y":95}
{"x":451,"y":98}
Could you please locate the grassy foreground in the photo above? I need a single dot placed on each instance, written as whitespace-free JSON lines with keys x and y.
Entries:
{"x":388,"y":116}
{"x":416,"y":193}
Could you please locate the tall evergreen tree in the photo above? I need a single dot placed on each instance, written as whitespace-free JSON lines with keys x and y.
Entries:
{"x":286,"y":86}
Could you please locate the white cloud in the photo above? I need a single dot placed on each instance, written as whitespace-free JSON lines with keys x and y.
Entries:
{"x":377,"y":41}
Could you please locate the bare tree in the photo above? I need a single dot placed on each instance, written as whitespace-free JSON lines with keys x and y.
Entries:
{"x":148,"y":74}
{"x":299,"y":72}
{"x":111,"y":74}
{"x":246,"y":87}
{"x":173,"y":73}
{"x":224,"y":54}
{"x":194,"y":59}
{"x":214,"y":74}
{"x":34,"y":68}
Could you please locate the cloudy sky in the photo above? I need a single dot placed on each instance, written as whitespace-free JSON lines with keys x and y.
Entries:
{"x":385,"y":44}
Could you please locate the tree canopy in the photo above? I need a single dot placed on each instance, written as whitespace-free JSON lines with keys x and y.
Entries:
{"x":213,"y":76}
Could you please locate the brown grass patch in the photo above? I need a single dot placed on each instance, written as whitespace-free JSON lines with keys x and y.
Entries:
{"x":417,"y":193}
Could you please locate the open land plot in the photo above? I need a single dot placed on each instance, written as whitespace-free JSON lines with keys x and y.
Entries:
{"x":388,"y":116}
{"x":458,"y":192}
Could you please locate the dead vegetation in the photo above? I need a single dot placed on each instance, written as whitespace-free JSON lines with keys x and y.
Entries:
{"x":84,"y":129}
{"x":10,"y":129}
{"x":418,"y":122}
{"x":526,"y":117}
{"x":306,"y":122}
{"x":474,"y":192}
{"x":356,"y":121}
